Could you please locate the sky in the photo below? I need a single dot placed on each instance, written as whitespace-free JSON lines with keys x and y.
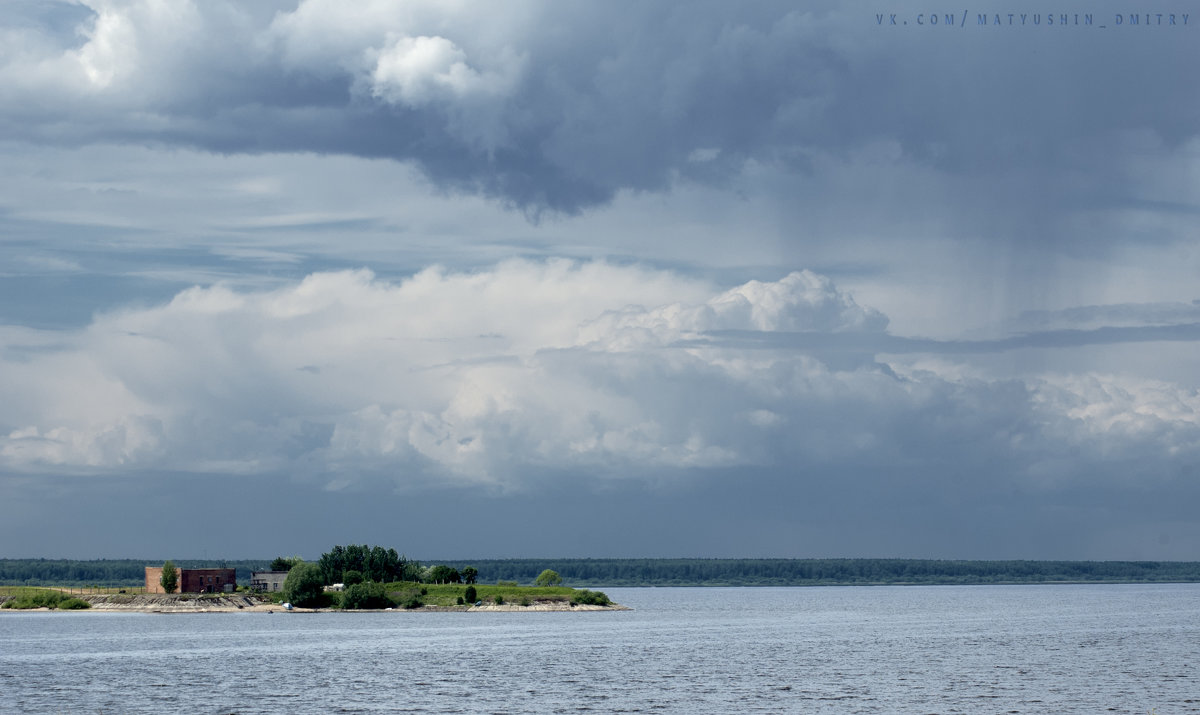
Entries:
{"x":665,"y":279}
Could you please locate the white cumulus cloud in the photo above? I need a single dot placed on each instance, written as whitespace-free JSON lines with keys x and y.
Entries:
{"x":416,"y":71}
{"x":528,"y":368}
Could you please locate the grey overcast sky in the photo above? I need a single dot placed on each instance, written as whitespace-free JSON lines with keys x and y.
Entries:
{"x":476,"y":280}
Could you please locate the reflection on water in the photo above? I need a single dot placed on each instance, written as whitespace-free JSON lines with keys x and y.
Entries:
{"x":980,"y":649}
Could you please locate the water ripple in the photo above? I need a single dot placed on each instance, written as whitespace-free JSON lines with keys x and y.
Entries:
{"x":1013,"y":649}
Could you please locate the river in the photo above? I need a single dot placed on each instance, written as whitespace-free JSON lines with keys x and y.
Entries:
{"x":939,"y":649}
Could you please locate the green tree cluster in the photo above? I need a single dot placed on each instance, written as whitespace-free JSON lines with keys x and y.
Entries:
{"x":375,"y":563}
{"x":443,"y":574}
{"x":284,"y":563}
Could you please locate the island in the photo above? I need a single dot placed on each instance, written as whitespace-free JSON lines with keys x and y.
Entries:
{"x":438,"y":599}
{"x":347,"y":578}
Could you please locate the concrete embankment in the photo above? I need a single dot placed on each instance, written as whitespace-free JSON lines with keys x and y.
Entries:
{"x":547,"y":606}
{"x":182,"y":603}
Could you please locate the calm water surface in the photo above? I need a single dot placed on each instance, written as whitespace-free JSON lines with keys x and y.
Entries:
{"x":976,"y":649}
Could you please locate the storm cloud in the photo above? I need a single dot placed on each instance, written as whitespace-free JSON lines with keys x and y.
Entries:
{"x":552,"y":107}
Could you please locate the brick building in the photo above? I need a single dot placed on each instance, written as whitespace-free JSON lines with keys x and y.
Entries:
{"x":194,"y":580}
{"x":207,"y":580}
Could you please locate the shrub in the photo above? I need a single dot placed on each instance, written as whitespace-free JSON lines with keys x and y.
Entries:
{"x":498,"y":599}
{"x":506,"y":583}
{"x":365,"y":595}
{"x":590,"y":598}
{"x":469,"y":595}
{"x":460,"y":601}
{"x":45,"y":598}
{"x":407,"y":598}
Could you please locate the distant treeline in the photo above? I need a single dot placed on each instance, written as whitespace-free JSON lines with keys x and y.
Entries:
{"x":671,"y":572}
{"x":106,"y":572}
{"x":825,"y":572}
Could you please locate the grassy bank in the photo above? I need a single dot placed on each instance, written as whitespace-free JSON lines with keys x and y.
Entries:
{"x":24,"y":598}
{"x":407,"y":594}
{"x":449,"y":594}
{"x":399,"y":594}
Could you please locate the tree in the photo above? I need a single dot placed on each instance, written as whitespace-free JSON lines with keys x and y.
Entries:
{"x":170,"y":577}
{"x":282,"y":563}
{"x":355,"y":557}
{"x":548,"y":578}
{"x":352,"y":577}
{"x":380,"y":566}
{"x":469,"y":574}
{"x":333,"y":564}
{"x":410,"y":570}
{"x":304,"y":586}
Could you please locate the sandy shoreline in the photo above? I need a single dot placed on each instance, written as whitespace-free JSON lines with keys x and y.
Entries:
{"x":248,"y":603}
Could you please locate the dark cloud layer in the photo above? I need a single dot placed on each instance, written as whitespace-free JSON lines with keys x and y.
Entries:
{"x":750,"y":513}
{"x":561,"y":107}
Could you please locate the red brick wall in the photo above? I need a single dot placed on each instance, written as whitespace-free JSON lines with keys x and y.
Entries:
{"x":192,"y":580}
{"x":154,"y":579}
{"x":206,"y":580}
